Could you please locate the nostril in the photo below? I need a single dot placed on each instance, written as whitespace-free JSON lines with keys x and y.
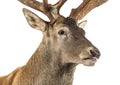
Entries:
{"x":95,"y":53}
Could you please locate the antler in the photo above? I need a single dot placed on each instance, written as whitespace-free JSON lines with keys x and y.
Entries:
{"x":51,"y":11}
{"x":57,"y":7}
{"x":84,"y":8}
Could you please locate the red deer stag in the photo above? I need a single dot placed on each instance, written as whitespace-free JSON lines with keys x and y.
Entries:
{"x":63,"y":47}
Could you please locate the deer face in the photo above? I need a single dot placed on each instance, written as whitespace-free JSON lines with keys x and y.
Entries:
{"x":72,"y":43}
{"x":67,"y":38}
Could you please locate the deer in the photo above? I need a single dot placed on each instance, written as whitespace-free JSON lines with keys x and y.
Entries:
{"x":63,"y":46}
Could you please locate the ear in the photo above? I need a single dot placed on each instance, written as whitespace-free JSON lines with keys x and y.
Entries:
{"x":82,"y":24}
{"x":34,"y":21}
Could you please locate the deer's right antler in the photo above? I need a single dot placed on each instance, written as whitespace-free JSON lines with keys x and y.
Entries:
{"x":84,"y":8}
{"x":51,"y":11}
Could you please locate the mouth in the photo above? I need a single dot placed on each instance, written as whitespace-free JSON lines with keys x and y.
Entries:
{"x":90,"y":61}
{"x":91,"y":58}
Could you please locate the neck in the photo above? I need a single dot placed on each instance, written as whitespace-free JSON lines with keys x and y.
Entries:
{"x":46,"y":68}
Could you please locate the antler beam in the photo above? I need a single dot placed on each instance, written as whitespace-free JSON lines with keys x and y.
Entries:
{"x":85,"y":7}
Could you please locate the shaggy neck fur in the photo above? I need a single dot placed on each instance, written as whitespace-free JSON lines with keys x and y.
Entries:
{"x":46,"y":68}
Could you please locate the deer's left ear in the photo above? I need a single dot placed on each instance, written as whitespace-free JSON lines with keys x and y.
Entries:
{"x":82,"y":24}
{"x":34,"y":21}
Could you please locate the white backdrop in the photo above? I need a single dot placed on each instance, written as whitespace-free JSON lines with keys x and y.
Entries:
{"x":18,"y":40}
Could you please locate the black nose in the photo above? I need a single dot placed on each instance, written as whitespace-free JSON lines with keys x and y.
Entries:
{"x":95,"y":53}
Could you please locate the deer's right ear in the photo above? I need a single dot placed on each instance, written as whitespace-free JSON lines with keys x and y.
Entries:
{"x":34,"y":21}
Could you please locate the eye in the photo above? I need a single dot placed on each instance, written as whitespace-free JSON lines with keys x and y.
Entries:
{"x":61,"y":32}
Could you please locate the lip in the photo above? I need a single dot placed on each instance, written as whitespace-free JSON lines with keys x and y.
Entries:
{"x":93,"y":59}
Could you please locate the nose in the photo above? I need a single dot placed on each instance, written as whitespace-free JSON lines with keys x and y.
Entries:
{"x":95,"y":53}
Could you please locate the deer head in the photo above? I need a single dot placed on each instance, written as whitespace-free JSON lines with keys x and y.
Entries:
{"x":64,"y":36}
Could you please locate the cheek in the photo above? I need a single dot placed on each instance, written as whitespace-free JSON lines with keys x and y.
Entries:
{"x":61,"y":40}
{"x":60,"y":44}
{"x":66,"y":46}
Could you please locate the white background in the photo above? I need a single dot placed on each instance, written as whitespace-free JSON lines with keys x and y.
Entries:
{"x":18,"y":40}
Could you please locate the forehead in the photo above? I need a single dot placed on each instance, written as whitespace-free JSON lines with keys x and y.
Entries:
{"x":72,"y":25}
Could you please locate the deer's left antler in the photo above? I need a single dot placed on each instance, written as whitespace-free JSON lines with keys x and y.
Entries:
{"x":85,"y":7}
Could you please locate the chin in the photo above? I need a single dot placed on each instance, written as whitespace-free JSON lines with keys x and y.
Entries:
{"x":89,"y":63}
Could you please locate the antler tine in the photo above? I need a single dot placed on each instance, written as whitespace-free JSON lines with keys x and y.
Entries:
{"x":59,"y":4}
{"x":85,"y":7}
{"x":56,"y":8}
{"x":43,"y":7}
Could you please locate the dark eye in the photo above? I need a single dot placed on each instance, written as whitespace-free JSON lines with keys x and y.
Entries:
{"x":61,"y":32}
